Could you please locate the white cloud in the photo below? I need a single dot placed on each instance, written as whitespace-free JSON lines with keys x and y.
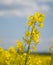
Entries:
{"x":27,"y":7}
{"x":6,"y":2}
{"x":45,"y":0}
{"x":11,"y":13}
{"x":23,"y":2}
{"x":10,"y":2}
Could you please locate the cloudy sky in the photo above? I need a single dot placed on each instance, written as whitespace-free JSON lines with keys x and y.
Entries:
{"x":13,"y":16}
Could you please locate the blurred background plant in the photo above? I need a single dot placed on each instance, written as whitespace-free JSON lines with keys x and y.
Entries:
{"x":51,"y":51}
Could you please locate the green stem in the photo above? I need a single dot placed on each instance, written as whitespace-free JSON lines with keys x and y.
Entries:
{"x":27,"y":55}
{"x":28,"y":47}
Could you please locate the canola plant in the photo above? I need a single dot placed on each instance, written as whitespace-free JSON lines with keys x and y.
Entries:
{"x":19,"y":55}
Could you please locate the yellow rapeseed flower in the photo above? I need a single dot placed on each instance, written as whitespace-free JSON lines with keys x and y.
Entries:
{"x":7,"y":54}
{"x":30,"y":23}
{"x":1,"y":50}
{"x":27,"y":33}
{"x":30,"y":18}
{"x":34,"y":48}
{"x":20,"y":45}
{"x":36,"y":40}
{"x":41,"y":25}
{"x":37,"y":15}
{"x":41,"y":19}
{"x":12,"y":50}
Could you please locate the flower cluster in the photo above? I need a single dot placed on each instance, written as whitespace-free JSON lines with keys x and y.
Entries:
{"x":12,"y":57}
{"x":18,"y":55}
{"x":35,"y":22}
{"x":37,"y":17}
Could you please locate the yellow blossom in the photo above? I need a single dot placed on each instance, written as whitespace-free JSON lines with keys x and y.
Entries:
{"x":20,"y":45}
{"x":7,"y":54}
{"x":37,"y":15}
{"x":36,"y":40}
{"x":1,"y":50}
{"x":30,"y":23}
{"x":27,"y":33}
{"x":41,"y":25}
{"x":31,"y":17}
{"x":34,"y":48}
{"x":41,"y":19}
{"x":12,"y":50}
{"x":25,"y":54}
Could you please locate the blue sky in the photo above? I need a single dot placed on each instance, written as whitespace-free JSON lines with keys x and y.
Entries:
{"x":13,"y":16}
